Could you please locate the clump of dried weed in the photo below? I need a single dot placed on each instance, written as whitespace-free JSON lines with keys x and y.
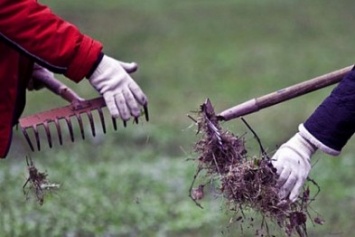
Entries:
{"x":37,"y":182}
{"x":246,"y":183}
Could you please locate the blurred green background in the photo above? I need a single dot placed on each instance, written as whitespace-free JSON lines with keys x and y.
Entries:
{"x":135,"y":182}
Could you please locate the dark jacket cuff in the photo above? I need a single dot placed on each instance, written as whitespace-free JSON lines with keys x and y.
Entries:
{"x":333,"y":122}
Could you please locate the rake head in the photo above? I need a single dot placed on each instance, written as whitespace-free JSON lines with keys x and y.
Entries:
{"x":55,"y":116}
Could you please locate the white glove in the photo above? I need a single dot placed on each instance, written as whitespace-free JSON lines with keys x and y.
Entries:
{"x":38,"y":74}
{"x":122,"y":95}
{"x":292,"y":161}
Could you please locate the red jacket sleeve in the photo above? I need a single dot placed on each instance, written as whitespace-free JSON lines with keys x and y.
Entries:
{"x":52,"y":42}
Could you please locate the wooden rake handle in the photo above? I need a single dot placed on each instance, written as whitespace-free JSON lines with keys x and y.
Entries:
{"x":287,"y":93}
{"x":59,"y":88}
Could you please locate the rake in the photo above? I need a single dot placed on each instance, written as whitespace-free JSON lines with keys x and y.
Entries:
{"x":78,"y":107}
{"x":284,"y":94}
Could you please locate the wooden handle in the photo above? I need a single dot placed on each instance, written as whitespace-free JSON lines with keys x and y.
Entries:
{"x":287,"y":93}
{"x":59,"y":88}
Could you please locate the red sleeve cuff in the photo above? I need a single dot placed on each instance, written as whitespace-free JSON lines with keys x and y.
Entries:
{"x":84,"y":59}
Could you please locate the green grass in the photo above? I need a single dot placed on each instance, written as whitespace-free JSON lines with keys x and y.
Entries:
{"x":134,"y":182}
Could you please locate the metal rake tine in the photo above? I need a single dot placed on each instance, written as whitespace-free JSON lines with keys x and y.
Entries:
{"x":48,"y":132}
{"x":80,"y":121}
{"x":124,"y":123}
{"x":146,"y":113}
{"x":59,"y":132}
{"x":114,"y":123}
{"x":37,"y":137}
{"x":136,"y":120}
{"x":24,"y":132}
{"x":70,"y":127}
{"x":92,"y":125}
{"x":102,"y":119}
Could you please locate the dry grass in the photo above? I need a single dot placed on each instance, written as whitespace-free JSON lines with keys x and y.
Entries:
{"x":246,"y":183}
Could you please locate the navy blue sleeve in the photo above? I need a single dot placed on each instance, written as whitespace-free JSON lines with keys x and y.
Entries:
{"x":333,"y":122}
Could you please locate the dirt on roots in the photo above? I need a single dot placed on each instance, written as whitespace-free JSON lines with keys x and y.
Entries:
{"x":37,"y":184}
{"x":246,"y":183}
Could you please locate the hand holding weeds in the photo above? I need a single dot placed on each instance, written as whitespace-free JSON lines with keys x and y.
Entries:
{"x":251,"y":183}
{"x":292,"y":162}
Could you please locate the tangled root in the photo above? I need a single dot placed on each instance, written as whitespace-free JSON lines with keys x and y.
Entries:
{"x":246,"y":183}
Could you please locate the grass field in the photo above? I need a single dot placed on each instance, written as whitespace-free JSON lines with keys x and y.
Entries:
{"x":134,"y":182}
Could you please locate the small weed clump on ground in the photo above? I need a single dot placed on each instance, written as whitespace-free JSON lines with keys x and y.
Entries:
{"x":37,"y":182}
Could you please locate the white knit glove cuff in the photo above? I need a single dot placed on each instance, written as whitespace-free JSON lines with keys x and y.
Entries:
{"x":308,"y":136}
